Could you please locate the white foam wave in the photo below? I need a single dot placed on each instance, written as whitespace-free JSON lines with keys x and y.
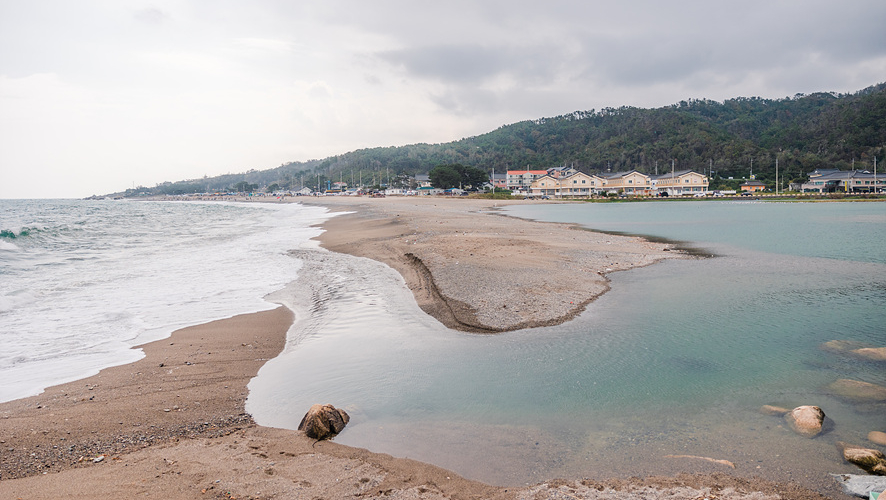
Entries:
{"x":11,"y":301}
{"x":6,"y":246}
{"x":83,"y":301}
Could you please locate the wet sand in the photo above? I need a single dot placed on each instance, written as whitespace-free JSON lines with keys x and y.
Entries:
{"x":173,"y":425}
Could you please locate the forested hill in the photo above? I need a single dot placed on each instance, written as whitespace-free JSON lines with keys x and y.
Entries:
{"x":805,"y":132}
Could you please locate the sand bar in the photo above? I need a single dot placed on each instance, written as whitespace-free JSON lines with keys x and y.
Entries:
{"x":476,"y":270}
{"x":173,"y":424}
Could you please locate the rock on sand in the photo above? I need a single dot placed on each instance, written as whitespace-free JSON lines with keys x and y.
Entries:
{"x":870,"y":460}
{"x":323,"y":421}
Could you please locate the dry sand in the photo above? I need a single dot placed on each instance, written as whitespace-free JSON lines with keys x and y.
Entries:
{"x":173,"y":425}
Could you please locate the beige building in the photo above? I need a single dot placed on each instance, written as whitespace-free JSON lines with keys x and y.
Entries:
{"x":521,"y":179}
{"x":680,"y":182}
{"x":581,"y":185}
{"x":631,"y":182}
{"x":576,"y":185}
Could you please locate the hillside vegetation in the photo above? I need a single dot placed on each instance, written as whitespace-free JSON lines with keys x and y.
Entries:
{"x":722,"y":139}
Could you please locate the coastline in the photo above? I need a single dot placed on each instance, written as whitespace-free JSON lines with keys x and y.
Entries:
{"x":205,"y":441}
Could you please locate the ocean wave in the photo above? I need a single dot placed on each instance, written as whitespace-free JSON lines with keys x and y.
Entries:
{"x":14,"y":300}
{"x":8,"y":246}
{"x":21,"y":232}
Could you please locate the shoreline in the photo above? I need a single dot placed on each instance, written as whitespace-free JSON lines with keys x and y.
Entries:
{"x":174,"y":423}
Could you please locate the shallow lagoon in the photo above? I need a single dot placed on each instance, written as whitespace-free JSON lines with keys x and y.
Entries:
{"x":674,"y":360}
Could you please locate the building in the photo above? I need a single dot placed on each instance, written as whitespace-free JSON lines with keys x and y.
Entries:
{"x":520,"y":180}
{"x":576,"y":185}
{"x":558,"y":172}
{"x":422,"y":180}
{"x":752,"y":186}
{"x":500,"y":181}
{"x":843,"y":181}
{"x":680,"y":182}
{"x":631,"y":182}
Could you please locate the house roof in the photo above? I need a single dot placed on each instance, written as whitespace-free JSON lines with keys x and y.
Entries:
{"x":753,"y":183}
{"x":615,"y":175}
{"x":823,"y":171}
{"x":521,"y":172}
{"x":844,"y":174}
{"x":678,"y":173}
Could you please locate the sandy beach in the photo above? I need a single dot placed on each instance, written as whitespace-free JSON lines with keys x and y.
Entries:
{"x":173,"y":424}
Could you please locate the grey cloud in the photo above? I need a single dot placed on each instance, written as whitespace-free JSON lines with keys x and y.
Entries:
{"x":464,"y":64}
{"x":474,"y":64}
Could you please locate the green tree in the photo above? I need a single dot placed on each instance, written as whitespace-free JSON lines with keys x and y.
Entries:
{"x":444,"y":177}
{"x":473,"y":177}
{"x":457,"y":175}
{"x":245,"y":187}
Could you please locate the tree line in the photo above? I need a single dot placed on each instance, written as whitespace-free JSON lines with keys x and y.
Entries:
{"x":733,"y":138}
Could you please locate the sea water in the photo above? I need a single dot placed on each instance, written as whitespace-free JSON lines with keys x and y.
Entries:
{"x":674,"y":361}
{"x":82,"y":282}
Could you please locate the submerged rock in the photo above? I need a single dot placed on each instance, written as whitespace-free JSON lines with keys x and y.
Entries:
{"x":842,"y":346}
{"x":857,"y":391}
{"x":776,"y":411}
{"x":871,"y":353}
{"x":859,"y":485}
{"x":323,"y":422}
{"x":877,"y":437}
{"x":855,"y":349}
{"x":806,"y":420}
{"x":872,"y":461}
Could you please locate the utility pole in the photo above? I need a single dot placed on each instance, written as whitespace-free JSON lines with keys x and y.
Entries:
{"x":776,"y":175}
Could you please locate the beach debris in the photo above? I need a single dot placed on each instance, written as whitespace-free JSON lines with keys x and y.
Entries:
{"x":323,"y":421}
{"x":805,"y":420}
{"x":775,"y":411}
{"x":860,"y":485}
{"x":708,"y":459}
{"x":98,"y":459}
{"x":857,"y":391}
{"x":877,"y":437}
{"x":872,"y":461}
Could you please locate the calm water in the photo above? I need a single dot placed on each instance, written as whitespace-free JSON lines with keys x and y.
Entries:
{"x":81,"y":282}
{"x":675,"y":360}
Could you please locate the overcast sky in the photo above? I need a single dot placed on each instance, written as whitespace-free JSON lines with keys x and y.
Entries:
{"x":97,"y":95}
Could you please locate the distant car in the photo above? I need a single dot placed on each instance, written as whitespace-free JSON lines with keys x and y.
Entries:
{"x":718,"y":195}
{"x":747,"y":193}
{"x":699,"y":195}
